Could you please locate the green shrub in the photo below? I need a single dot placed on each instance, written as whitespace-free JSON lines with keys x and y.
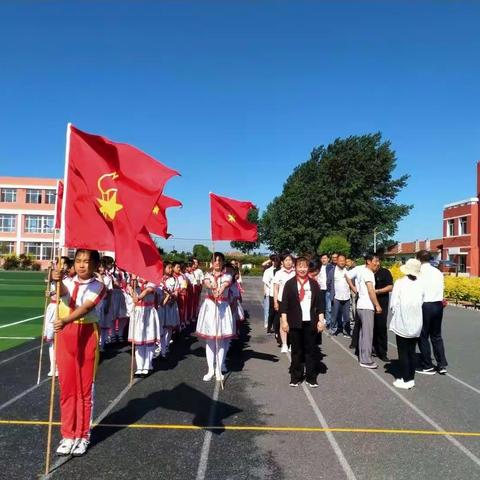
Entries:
{"x":36,"y":267}
{"x":11,"y":262}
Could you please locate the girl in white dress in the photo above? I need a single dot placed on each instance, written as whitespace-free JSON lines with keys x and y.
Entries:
{"x":144,"y":329}
{"x":171,"y":287}
{"x":215,"y":322}
{"x":105,"y":312}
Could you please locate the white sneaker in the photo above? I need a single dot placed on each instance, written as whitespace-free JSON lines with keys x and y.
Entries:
{"x":208,"y":376}
{"x":66,"y":446}
{"x":399,"y":383}
{"x":290,"y":348}
{"x":219,"y":377}
{"x":284,"y":349}
{"x":145,"y":372}
{"x":81,"y":447}
{"x":139,"y":371}
{"x":369,"y":365}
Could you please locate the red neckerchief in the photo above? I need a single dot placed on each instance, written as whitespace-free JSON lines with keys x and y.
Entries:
{"x":301,"y":293}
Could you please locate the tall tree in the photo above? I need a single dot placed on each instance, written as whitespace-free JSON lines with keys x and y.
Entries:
{"x":346,"y":188}
{"x":247,"y":247}
{"x":201,"y":252}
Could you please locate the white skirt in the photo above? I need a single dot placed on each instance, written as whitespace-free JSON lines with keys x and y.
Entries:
{"x":215,"y":321}
{"x":118,"y":304}
{"x":130,"y":304}
{"x":50,"y":315}
{"x":144,"y":328}
{"x":171,"y":315}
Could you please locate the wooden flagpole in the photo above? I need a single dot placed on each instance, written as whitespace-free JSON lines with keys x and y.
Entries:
{"x":47,"y":291}
{"x":132,"y":360}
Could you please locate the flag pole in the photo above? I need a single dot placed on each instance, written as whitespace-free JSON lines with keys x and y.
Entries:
{"x":47,"y":291}
{"x":132,"y":360}
{"x":216,"y":321}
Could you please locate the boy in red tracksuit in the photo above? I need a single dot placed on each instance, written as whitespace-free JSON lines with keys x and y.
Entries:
{"x":77,"y":350}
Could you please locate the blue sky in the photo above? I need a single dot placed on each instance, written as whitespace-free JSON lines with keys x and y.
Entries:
{"x":235,"y":94}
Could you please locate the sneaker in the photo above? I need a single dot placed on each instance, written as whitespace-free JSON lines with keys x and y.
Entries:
{"x":66,"y":446}
{"x":208,"y":376}
{"x":290,"y":348}
{"x":145,"y":372}
{"x":219,"y":377}
{"x":400,"y":383}
{"x":369,"y":365}
{"x":442,"y":371}
{"x":138,"y":372}
{"x":347,"y":335}
{"x":295,"y":384}
{"x":426,"y":371}
{"x":284,"y":349}
{"x":80,"y":448}
{"x":312,"y":385}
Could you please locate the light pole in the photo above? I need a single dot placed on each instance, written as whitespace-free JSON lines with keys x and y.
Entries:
{"x":375,"y":233}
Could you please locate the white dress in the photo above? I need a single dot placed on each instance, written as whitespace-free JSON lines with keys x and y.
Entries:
{"x":215,"y":319}
{"x":50,"y":315}
{"x":171,"y":315}
{"x":144,"y":328}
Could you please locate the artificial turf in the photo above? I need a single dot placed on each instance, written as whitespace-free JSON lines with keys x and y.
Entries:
{"x":22,"y":296}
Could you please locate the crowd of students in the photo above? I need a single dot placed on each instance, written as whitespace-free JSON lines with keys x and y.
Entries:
{"x":101,"y":305}
{"x":304,"y":297}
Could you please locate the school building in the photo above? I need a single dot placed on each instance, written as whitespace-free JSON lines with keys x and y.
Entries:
{"x":461,"y":237}
{"x":27,"y":210}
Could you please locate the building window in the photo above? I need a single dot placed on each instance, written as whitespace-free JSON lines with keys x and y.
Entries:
{"x":8,"y":222}
{"x":462,"y":226}
{"x":462,"y":264}
{"x":38,"y":223}
{"x":450,"y":228}
{"x":50,"y":197}
{"x":38,"y":250}
{"x":7,"y":247}
{"x":8,"y":195}
{"x":34,"y":195}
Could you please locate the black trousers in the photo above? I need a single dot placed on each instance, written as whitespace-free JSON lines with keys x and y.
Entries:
{"x":303,"y":341}
{"x":271,"y":314}
{"x":380,"y":335}
{"x":406,"y":357}
{"x":432,"y":331}
{"x":355,"y":333}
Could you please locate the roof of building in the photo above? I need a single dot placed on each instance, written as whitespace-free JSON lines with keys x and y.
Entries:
{"x":413,"y":247}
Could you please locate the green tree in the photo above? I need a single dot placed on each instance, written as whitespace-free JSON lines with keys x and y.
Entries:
{"x":345,"y":188}
{"x":202,"y":253}
{"x":247,"y":247}
{"x":334,"y":244}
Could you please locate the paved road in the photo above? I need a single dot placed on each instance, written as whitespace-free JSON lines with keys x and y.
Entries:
{"x":171,"y":405}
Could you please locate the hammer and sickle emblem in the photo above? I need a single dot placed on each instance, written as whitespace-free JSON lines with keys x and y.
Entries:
{"x":108,"y":203}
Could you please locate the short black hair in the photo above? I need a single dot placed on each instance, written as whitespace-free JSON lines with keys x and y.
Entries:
{"x":285,"y":255}
{"x":370,"y":256}
{"x":302,"y":259}
{"x":313,"y":266}
{"x":424,"y":256}
{"x":219,"y":255}
{"x":341,"y":255}
{"x":94,"y":256}
{"x":67,"y":261}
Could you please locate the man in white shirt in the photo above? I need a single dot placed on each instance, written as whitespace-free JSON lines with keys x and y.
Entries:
{"x":367,"y":305}
{"x":352,"y":280}
{"x":325,"y":267}
{"x":432,"y":310}
{"x":340,"y":293}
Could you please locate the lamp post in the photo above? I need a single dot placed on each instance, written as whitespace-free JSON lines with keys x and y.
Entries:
{"x":375,"y":233}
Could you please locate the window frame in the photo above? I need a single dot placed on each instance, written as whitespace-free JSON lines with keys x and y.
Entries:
{"x":4,"y":191}
{"x":11,"y":216}
{"x":28,"y":194}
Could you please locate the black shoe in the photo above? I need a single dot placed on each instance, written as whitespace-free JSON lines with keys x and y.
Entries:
{"x":426,"y":371}
{"x":295,"y":384}
{"x":384,"y":358}
{"x":442,"y":370}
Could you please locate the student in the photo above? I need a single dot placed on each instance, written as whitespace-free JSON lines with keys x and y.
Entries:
{"x":181,"y":293}
{"x":77,"y":350}
{"x":367,"y":306}
{"x":215,"y":322}
{"x":267,"y":280}
{"x":190,"y":292}
{"x":51,"y":314}
{"x":407,"y":299}
{"x":302,"y":309}
{"x":171,"y":288}
{"x":280,"y":278}
{"x":197,"y":286}
{"x":105,"y":307}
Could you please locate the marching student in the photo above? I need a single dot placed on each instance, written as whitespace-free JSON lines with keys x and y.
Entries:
{"x":280,"y":278}
{"x":171,"y":319}
{"x":105,"y":307}
{"x":215,"y":321}
{"x":302,"y":310}
{"x":51,"y":314}
{"x":190,"y":293}
{"x":144,"y":329}
{"x":407,"y":299}
{"x":197,"y":286}
{"x":77,"y":349}
{"x":181,"y":293}
{"x":267,"y":279}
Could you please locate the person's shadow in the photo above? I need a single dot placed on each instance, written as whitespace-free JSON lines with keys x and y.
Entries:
{"x":182,"y":398}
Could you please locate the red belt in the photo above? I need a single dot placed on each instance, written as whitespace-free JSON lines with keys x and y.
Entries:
{"x":141,"y":303}
{"x":218,"y":299}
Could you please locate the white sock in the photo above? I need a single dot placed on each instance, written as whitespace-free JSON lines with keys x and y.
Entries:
{"x":220,"y":356}
{"x":210,"y":350}
{"x":140,"y":356}
{"x":51,"y":355}
{"x":149,"y":357}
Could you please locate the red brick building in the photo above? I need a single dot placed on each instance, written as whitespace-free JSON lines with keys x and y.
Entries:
{"x":461,"y":237}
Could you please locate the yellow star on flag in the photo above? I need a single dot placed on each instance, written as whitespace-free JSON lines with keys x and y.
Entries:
{"x":110,"y":207}
{"x":155,"y":210}
{"x":231,"y":218}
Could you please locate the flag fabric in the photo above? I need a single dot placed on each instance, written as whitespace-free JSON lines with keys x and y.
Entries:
{"x":110,"y":191}
{"x":58,"y":205}
{"x":229,"y":219}
{"x":157,"y":221}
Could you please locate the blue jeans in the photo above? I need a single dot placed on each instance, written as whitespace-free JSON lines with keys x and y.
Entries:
{"x":266,"y":307}
{"x":341,"y":316}
{"x":328,"y":309}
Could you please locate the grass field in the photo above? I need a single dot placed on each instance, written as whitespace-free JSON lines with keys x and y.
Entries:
{"x":21,"y":296}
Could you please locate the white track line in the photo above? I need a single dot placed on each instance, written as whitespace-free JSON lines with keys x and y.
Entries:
{"x":17,"y":338}
{"x":203,"y":463}
{"x":20,"y":321}
{"x":97,"y":420}
{"x":461,"y":382}
{"x":333,"y":443}
{"x":21,"y":395}
{"x":417,"y":410}
{"x":19,"y":355}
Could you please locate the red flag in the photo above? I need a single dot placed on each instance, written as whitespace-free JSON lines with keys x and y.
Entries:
{"x":157,"y":222}
{"x":230,"y":219}
{"x":110,"y":190}
{"x":58,"y":205}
